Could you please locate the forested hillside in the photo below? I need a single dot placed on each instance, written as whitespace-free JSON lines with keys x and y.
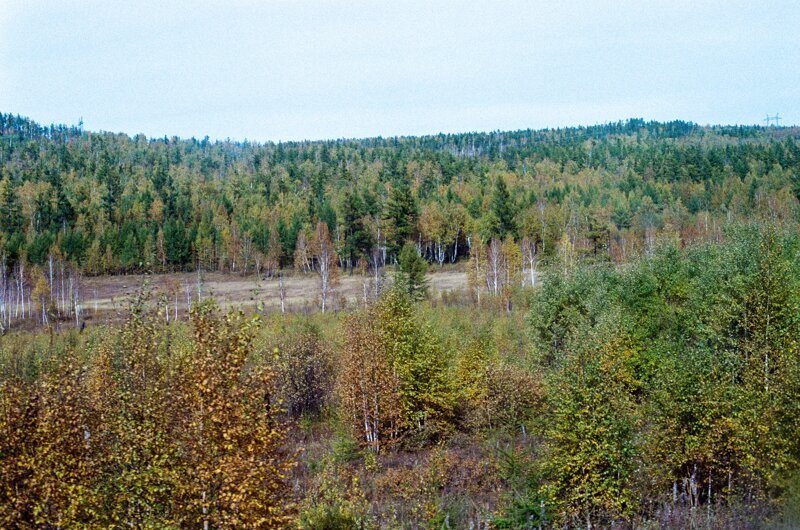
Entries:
{"x":111,"y":203}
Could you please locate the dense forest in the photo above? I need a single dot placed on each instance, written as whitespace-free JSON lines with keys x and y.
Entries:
{"x":109,"y":203}
{"x":624,"y":354}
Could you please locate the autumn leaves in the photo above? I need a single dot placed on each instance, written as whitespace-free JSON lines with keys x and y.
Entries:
{"x":148,"y":429}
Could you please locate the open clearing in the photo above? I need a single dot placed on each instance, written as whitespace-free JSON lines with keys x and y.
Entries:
{"x":106,"y":296}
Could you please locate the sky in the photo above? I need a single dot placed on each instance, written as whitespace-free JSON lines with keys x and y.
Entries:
{"x":299,"y":69}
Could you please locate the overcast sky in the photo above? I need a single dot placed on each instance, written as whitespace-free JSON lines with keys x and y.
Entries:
{"x":298,"y":69}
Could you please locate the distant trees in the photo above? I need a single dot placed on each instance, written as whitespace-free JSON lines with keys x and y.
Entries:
{"x":402,"y":213}
{"x":357,"y":240}
{"x":302,"y":254}
{"x":502,"y":208}
{"x":49,"y":293}
{"x":324,"y":256}
{"x":115,"y":204}
{"x":411,"y":269}
{"x":496,"y":269}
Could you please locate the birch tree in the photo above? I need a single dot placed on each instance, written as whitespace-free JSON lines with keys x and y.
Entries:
{"x":325,"y":262}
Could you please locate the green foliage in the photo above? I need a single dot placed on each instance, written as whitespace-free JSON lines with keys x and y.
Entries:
{"x":411,"y":269}
{"x":357,"y":237}
{"x":503,"y":211}
{"x":402,"y":212}
{"x":592,"y":448}
{"x":524,"y":507}
{"x":344,"y":448}
{"x":336,"y":501}
{"x":614,"y":190}
{"x":493,"y":393}
{"x":426,"y":392}
{"x":661,"y":393}
{"x":395,"y":382}
{"x":683,"y":367}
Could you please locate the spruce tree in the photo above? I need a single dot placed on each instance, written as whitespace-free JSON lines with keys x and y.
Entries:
{"x":357,"y":238}
{"x":402,"y":212}
{"x":503,"y":209}
{"x":411,"y":273}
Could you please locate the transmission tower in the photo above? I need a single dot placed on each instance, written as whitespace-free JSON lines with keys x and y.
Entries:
{"x":776,"y":120}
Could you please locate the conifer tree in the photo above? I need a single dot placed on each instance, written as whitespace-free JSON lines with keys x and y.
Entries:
{"x":411,"y":269}
{"x":402,"y":214}
{"x":357,"y":237}
{"x":503,"y":210}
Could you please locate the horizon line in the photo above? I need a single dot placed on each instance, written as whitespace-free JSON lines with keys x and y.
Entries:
{"x":80,"y":124}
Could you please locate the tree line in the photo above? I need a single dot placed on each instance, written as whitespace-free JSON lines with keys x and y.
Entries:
{"x":110,"y":203}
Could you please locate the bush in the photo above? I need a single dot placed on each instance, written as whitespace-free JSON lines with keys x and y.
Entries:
{"x":304,"y":372}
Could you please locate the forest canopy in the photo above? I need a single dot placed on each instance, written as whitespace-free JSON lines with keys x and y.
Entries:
{"x":111,"y":203}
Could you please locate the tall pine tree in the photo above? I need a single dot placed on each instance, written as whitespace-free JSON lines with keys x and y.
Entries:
{"x":402,"y":213}
{"x":503,"y":210}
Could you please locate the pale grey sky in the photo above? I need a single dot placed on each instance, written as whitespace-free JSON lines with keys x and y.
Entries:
{"x":299,"y":69}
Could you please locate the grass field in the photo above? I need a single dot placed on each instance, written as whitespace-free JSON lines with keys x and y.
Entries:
{"x":107,"y":296}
